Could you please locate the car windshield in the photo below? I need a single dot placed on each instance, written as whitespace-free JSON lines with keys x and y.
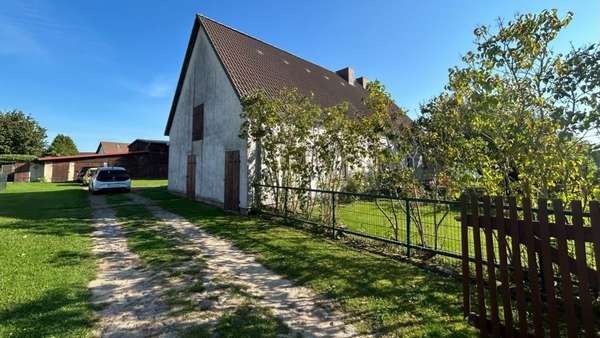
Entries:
{"x":112,"y":175}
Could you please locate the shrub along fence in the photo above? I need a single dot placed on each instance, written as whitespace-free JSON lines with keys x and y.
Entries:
{"x":552,"y":280}
{"x":549,"y":282}
{"x":423,"y":228}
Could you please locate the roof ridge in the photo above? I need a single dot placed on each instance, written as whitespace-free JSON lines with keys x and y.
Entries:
{"x":268,"y":44}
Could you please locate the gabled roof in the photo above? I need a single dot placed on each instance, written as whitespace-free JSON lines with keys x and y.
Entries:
{"x":149,"y":141}
{"x":112,"y":147}
{"x":252,"y":65}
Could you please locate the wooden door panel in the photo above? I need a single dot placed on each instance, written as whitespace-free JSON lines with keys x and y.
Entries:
{"x":232,"y":181}
{"x":60,"y":172}
{"x":191,"y":177}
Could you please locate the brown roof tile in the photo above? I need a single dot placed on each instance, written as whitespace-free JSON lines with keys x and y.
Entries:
{"x":253,"y":65}
{"x":113,"y":147}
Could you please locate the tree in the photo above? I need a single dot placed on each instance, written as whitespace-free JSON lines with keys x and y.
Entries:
{"x":20,"y":134}
{"x":62,"y":145}
{"x":577,"y":90}
{"x":501,"y":126}
{"x":301,"y":144}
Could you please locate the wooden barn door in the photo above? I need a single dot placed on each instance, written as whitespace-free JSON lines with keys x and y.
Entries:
{"x":21,"y":172}
{"x":60,"y":172}
{"x":191,"y":177}
{"x":232,"y":181}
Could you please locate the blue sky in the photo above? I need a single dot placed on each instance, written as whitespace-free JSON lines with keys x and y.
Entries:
{"x":107,"y":70}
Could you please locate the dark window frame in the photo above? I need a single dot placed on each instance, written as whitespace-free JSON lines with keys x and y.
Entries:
{"x":198,"y":123}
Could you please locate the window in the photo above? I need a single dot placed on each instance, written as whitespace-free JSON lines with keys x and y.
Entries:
{"x":112,"y":175}
{"x":198,"y":123}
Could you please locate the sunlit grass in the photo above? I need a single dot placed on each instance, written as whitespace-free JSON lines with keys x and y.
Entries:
{"x":45,"y":261}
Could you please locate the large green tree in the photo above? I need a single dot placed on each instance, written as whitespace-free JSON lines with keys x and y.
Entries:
{"x":508,"y":122}
{"x":20,"y":134}
{"x":62,"y":145}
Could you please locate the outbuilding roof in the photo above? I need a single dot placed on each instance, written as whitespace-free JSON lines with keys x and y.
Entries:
{"x":112,"y":147}
{"x":87,"y":156}
{"x":252,"y":65}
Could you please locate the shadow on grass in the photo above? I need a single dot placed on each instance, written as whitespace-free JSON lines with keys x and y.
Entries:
{"x":53,"y":212}
{"x":380,"y":294}
{"x":67,"y":258}
{"x":57,"y":312}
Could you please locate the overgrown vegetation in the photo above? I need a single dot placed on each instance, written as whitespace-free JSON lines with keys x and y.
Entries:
{"x":514,"y":117}
{"x":46,"y":261}
{"x":513,"y":120}
{"x":17,"y":157}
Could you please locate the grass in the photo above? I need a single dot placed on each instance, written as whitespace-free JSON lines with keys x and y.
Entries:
{"x":46,"y":262}
{"x":148,"y":183}
{"x":156,"y":245}
{"x":379,"y":218}
{"x":248,"y":321}
{"x":383,"y":296}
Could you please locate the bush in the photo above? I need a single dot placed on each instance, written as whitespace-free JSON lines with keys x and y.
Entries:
{"x":17,"y":157}
{"x":354,"y":184}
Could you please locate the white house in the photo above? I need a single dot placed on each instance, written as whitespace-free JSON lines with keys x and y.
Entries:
{"x":208,"y":160}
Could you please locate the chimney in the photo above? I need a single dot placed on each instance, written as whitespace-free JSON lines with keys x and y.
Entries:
{"x":347,"y":74}
{"x":362,"y":81}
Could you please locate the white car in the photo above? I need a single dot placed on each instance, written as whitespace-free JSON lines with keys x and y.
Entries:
{"x":110,"y":179}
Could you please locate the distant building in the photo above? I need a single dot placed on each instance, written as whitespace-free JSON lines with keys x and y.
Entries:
{"x":106,"y":147}
{"x":141,"y":158}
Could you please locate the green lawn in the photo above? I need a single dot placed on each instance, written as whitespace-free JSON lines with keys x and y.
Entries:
{"x":381,"y":295}
{"x":45,"y":261}
{"x":149,"y":183}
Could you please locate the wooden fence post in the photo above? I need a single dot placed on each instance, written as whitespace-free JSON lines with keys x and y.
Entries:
{"x":482,"y":316}
{"x":587,"y":311}
{"x":565,"y":273}
{"x":548,"y":272}
{"x":491,"y":265}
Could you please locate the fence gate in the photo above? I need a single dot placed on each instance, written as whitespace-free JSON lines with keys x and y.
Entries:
{"x":536,"y":271}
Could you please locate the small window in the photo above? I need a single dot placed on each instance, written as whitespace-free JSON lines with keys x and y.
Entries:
{"x":198,"y":123}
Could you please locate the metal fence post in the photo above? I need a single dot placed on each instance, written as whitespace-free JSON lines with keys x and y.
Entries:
{"x":285,"y":204}
{"x":407,"y":206}
{"x":333,"y":214}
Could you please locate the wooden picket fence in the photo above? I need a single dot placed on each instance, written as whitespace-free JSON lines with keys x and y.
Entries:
{"x":551,"y":281}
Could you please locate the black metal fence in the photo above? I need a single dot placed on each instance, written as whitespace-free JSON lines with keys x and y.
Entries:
{"x":429,"y":229}
{"x":423,"y":228}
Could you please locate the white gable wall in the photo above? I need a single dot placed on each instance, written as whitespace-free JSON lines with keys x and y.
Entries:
{"x":222,"y":121}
